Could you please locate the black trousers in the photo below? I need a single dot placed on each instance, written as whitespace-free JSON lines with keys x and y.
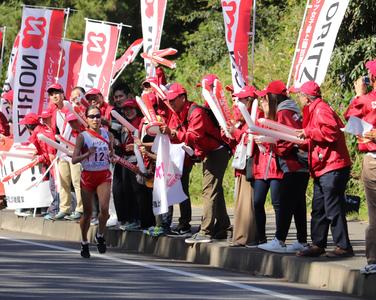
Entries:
{"x":328,"y":209}
{"x":293,"y":203}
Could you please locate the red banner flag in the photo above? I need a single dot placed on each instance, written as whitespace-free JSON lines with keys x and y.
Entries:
{"x":98,"y":56}
{"x":152,"y":18}
{"x":237,"y":16}
{"x":38,"y":58}
{"x":128,"y":56}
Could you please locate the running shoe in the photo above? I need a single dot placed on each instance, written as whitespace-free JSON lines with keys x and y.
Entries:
{"x":368,"y":269}
{"x":101,"y":244}
{"x":274,"y":245}
{"x":180,"y":232}
{"x":85,"y":253}
{"x":199,"y":238}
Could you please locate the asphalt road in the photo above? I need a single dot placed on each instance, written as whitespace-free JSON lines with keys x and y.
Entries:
{"x":35,"y":267}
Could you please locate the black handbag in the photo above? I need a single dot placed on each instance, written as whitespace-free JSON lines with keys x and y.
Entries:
{"x":352,"y":203}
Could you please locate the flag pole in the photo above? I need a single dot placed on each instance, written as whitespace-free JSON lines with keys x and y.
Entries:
{"x":253,"y":40}
{"x":66,"y":11}
{"x":2,"y":48}
{"x":297,"y":43}
{"x":107,"y":22}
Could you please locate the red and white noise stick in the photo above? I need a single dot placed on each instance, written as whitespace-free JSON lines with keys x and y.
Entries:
{"x":40,"y":179}
{"x":16,"y":154}
{"x":23,"y":169}
{"x":275,"y":134}
{"x":159,"y":60}
{"x":165,"y":52}
{"x":123,"y":121}
{"x":53,"y":144}
{"x":143,"y":108}
{"x":221,"y":100}
{"x":277,"y":126}
{"x":73,"y":111}
{"x":126,"y":164}
{"x":214,"y":106}
{"x":64,"y":141}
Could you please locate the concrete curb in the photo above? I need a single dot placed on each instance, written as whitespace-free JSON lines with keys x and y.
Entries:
{"x":320,"y":272}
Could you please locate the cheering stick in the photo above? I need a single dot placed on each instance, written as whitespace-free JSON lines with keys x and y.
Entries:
{"x":165,"y":52}
{"x":221,"y":100}
{"x":23,"y":169}
{"x":159,"y":60}
{"x":40,"y":179}
{"x":16,"y":154}
{"x":65,"y":141}
{"x":123,"y":121}
{"x":153,"y":127}
{"x":207,"y":94}
{"x":53,"y":144}
{"x":277,"y":126}
{"x":73,"y":111}
{"x":143,"y":108}
{"x":275,"y":134}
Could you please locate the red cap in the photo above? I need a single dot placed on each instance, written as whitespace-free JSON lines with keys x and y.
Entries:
{"x":209,"y":78}
{"x":175,"y":90}
{"x":46,"y":113}
{"x":371,"y":66}
{"x":132,"y":103}
{"x":261,"y":93}
{"x":93,"y":91}
{"x":310,"y":88}
{"x":55,"y":87}
{"x":247,"y":91}
{"x":30,"y":119}
{"x":71,"y":117}
{"x":8,"y":96}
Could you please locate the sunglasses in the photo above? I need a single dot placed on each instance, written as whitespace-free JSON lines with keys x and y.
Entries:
{"x":97,"y":116}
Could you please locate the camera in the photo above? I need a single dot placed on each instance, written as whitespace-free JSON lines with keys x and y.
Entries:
{"x":366,"y":80}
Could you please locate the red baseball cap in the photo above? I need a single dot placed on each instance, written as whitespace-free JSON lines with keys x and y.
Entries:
{"x":30,"y":119}
{"x":276,"y":87}
{"x":150,"y":79}
{"x":55,"y":87}
{"x":310,"y":88}
{"x":371,"y":66}
{"x":209,"y":78}
{"x":93,"y":91}
{"x":46,"y":114}
{"x":175,"y":90}
{"x":8,"y":96}
{"x":132,"y":103}
{"x":71,"y":117}
{"x":247,"y":91}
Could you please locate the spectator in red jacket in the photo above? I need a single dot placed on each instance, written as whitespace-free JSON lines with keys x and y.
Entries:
{"x":295,"y":175}
{"x":203,"y":135}
{"x":362,"y":106}
{"x":329,"y":164}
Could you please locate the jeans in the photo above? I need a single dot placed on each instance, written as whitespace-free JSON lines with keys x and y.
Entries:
{"x":260,"y":189}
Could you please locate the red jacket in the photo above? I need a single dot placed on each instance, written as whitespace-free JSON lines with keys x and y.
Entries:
{"x":261,"y":160}
{"x":327,"y":150}
{"x":43,"y":149}
{"x":4,"y":125}
{"x":201,"y":133}
{"x":288,"y":114}
{"x":363,"y":107}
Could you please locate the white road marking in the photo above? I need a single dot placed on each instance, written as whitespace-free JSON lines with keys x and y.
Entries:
{"x":167,"y":270}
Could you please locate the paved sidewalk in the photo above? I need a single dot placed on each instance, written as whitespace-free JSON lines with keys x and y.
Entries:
{"x":337,"y":275}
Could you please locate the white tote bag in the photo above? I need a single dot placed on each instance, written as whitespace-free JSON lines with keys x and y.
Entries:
{"x":240,"y":155}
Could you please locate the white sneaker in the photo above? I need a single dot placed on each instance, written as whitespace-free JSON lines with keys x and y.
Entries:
{"x":368,"y":269}
{"x":112,"y":221}
{"x":274,"y":246}
{"x":295,"y":247}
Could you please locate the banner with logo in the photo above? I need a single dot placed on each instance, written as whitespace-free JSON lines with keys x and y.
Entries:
{"x":9,"y":80}
{"x":70,"y":65}
{"x":37,"y":63}
{"x":167,"y":188}
{"x":152,"y":18}
{"x":17,"y":190}
{"x":237,"y":18}
{"x":316,"y":40}
{"x":98,"y":55}
{"x":127,"y":58}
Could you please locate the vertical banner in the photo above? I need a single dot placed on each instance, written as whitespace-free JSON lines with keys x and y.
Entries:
{"x":98,"y":56}
{"x":237,"y":18}
{"x":167,"y":188}
{"x":70,"y":66}
{"x":152,"y":18}
{"x":37,"y":61}
{"x":316,"y":40}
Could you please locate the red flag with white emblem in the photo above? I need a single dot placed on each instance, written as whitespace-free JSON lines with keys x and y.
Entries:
{"x":37,"y":62}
